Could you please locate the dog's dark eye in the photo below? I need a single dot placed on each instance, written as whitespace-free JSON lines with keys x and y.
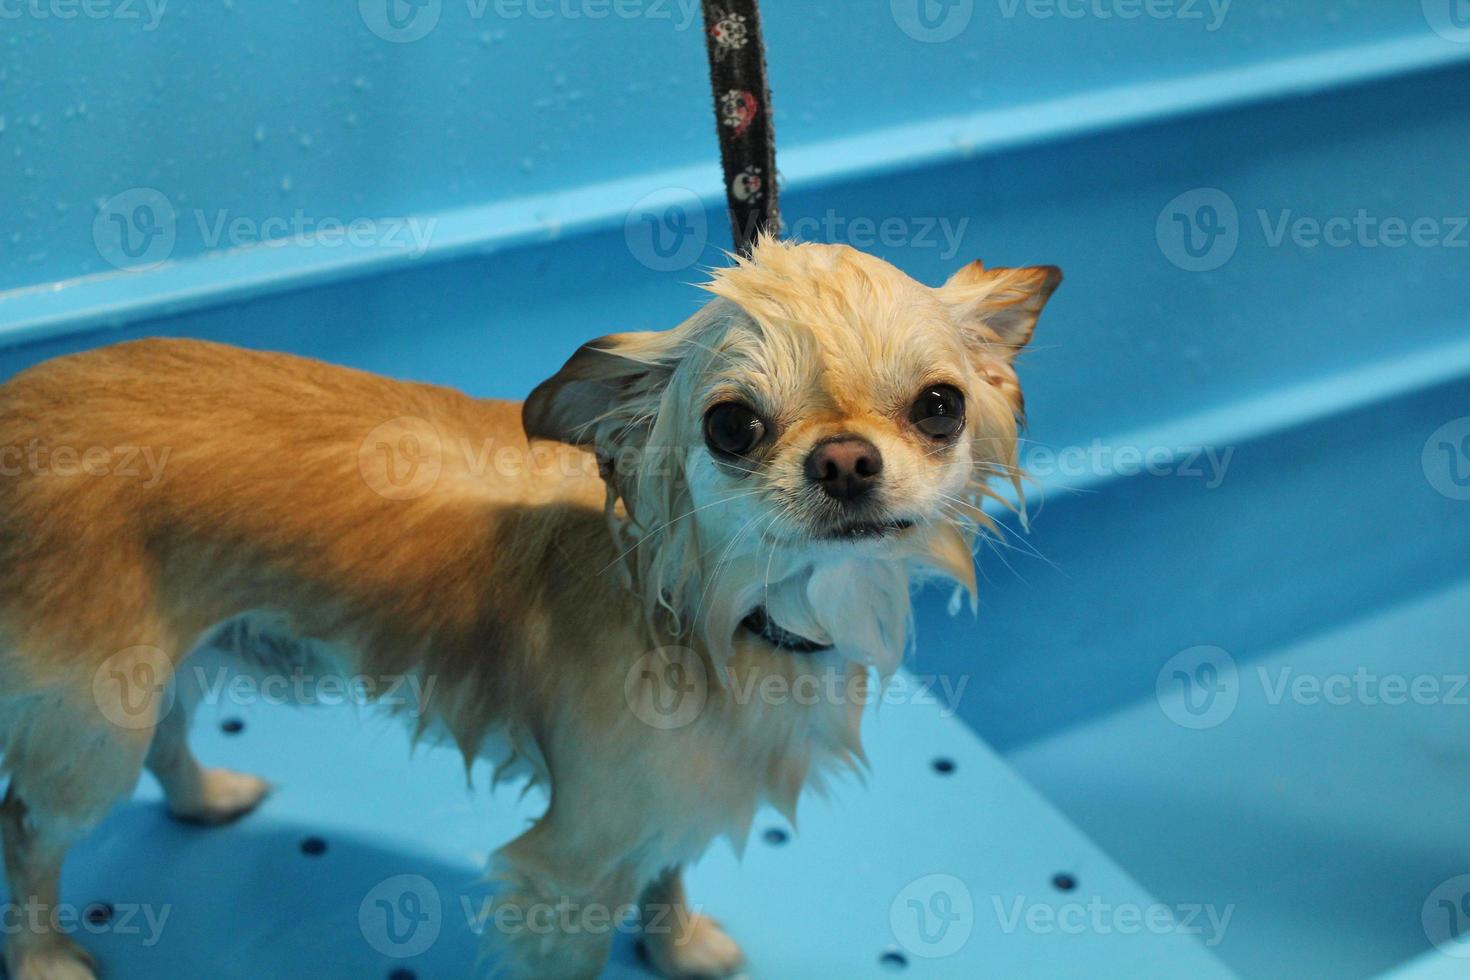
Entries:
{"x":939,"y":411}
{"x":733,"y":429}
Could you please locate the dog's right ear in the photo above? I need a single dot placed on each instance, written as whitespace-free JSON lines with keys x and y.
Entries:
{"x":613,"y":379}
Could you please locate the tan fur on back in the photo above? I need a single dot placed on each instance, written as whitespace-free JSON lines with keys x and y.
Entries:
{"x":501,"y":587}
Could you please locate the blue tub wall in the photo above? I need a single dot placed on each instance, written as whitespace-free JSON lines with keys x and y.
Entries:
{"x":1327,"y":522}
{"x":1129,"y":341}
{"x":260,"y":109}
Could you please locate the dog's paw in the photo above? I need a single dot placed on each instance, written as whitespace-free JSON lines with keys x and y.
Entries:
{"x":224,"y":796}
{"x":701,"y":951}
{"x":57,"y":958}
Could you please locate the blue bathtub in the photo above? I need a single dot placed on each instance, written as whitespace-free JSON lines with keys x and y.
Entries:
{"x":1212,"y":717}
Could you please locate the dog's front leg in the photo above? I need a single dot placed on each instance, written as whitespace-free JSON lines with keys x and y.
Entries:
{"x":681,"y":943}
{"x":195,"y":794}
{"x":564,"y":890}
{"x":68,"y":767}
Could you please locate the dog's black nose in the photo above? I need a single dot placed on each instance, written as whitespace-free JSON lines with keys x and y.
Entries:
{"x":846,"y":467}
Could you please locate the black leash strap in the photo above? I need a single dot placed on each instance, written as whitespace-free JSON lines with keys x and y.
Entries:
{"x":737,"y":66}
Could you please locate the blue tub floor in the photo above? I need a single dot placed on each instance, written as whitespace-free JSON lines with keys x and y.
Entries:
{"x":1326,"y":825}
{"x":246,"y":902}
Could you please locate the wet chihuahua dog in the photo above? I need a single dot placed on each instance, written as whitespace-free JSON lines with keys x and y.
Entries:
{"x":746,"y":497}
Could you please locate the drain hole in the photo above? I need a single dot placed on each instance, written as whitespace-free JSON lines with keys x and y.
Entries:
{"x":944,"y":766}
{"x":401,"y":974}
{"x":776,"y":836}
{"x":1063,"y":882}
{"x":99,"y":914}
{"x":894,"y":960}
{"x":313,"y":847}
{"x":232,"y":726}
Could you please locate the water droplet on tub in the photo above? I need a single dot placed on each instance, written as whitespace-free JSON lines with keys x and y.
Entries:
{"x":285,"y":185}
{"x":259,"y":134}
{"x":360,"y":83}
{"x":305,"y":141}
{"x":527,"y":165}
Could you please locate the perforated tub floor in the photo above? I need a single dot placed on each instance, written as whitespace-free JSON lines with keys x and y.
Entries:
{"x":366,"y":863}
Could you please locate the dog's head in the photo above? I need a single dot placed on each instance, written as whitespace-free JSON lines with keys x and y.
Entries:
{"x":824,"y":409}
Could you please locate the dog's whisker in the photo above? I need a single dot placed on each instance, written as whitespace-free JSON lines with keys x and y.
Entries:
{"x":650,"y":535}
{"x":725,"y":556}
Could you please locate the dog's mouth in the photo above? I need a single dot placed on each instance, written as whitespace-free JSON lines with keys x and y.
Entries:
{"x":762,"y":625}
{"x":867,"y":530}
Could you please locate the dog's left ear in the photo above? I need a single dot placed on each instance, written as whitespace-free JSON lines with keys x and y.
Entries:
{"x":604,"y":377}
{"x":997,"y":308}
